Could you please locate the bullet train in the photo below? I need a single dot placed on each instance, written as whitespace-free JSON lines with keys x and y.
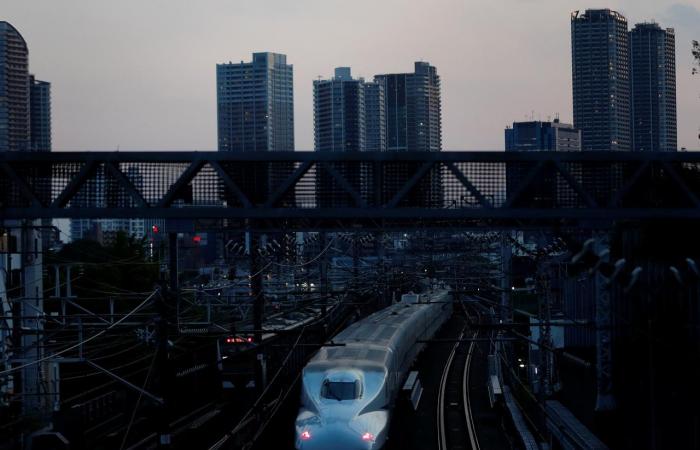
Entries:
{"x":348,"y":390}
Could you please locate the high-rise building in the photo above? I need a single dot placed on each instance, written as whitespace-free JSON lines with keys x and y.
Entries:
{"x":14,"y":90}
{"x":413,"y":116}
{"x":40,"y":114}
{"x":535,"y":136}
{"x":348,"y":114}
{"x":542,"y":136}
{"x":339,"y":113}
{"x":375,"y":117}
{"x":255,"y":104}
{"x":653,"y":77}
{"x":340,"y":125}
{"x":601,"y":82}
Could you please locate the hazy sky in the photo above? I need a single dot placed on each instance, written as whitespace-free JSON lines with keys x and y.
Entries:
{"x":140,"y":74}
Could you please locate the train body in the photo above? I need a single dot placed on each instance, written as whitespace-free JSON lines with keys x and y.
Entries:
{"x":348,"y":390}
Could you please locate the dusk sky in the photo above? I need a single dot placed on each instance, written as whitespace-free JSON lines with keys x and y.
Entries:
{"x":140,"y":74}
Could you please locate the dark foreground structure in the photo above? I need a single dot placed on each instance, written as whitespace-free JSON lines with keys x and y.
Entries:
{"x":594,"y":300}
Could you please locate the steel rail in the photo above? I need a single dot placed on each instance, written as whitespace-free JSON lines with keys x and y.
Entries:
{"x":442,"y":438}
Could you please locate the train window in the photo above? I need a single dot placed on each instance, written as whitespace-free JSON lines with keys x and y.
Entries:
{"x":341,"y":390}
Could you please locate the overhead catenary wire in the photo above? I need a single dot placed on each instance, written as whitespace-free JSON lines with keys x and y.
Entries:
{"x":84,"y":341}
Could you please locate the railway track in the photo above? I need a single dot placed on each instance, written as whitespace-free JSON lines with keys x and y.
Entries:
{"x":455,"y":422}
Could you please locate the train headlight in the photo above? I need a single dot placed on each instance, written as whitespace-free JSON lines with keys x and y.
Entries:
{"x":368,"y":437}
{"x":305,"y":435}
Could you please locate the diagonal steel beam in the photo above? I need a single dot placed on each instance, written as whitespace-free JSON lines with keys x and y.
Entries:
{"x":231,"y":185}
{"x":75,"y":184}
{"x":24,"y":188}
{"x":289,"y":183}
{"x":343,"y":182}
{"x":410,"y":184}
{"x":575,"y":185}
{"x":126,"y":183}
{"x":681,"y":184}
{"x":185,"y":178}
{"x":468,"y":184}
{"x":624,"y":190}
{"x":524,"y":184}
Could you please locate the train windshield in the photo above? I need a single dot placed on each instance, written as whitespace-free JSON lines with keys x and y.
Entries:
{"x":340,"y":390}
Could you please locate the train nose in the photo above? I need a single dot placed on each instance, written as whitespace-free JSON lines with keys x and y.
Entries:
{"x":334,"y":437}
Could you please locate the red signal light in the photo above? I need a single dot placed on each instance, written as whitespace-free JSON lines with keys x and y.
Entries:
{"x":197,"y":239}
{"x":155,"y":229}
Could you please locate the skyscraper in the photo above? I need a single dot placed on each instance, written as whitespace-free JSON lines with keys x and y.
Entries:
{"x":601,"y":84}
{"x":339,"y":113}
{"x":340,"y":125}
{"x":348,"y":114}
{"x":535,"y":136}
{"x":40,"y":114}
{"x":653,"y":76}
{"x":375,"y":117}
{"x":542,"y":136}
{"x":413,"y":116}
{"x":14,"y":90}
{"x":255,"y":104}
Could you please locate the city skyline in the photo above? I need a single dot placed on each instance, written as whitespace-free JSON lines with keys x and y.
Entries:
{"x":162,"y":95}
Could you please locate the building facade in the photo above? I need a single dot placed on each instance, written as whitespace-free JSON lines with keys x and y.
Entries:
{"x":255,"y":104}
{"x":413,"y":110}
{"x":601,"y":79}
{"x":340,"y":125}
{"x":349,"y":114}
{"x":542,"y":136}
{"x":40,"y":114}
{"x":340,"y":113}
{"x":375,"y":117}
{"x":653,"y":78}
{"x":14,"y":90}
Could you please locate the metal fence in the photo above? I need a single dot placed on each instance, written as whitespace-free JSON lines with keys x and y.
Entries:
{"x":351,"y":187}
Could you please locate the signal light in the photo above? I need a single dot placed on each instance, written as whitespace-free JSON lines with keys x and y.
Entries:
{"x":239,"y":340}
{"x":197,"y":239}
{"x":368,"y":437}
{"x":155,"y":229}
{"x":305,"y":435}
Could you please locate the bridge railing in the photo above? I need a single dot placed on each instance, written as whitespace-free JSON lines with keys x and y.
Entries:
{"x":350,"y":186}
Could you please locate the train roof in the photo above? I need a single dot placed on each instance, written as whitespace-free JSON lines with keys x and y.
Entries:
{"x":369,"y":342}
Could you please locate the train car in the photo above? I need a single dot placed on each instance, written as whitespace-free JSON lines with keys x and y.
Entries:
{"x":349,"y":389}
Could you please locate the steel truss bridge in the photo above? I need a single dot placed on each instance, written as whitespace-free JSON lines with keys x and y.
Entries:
{"x":316,"y":190}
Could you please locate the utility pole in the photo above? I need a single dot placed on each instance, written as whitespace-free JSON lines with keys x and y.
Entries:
{"x":256,"y":292}
{"x":168,"y":300}
{"x":605,"y":401}
{"x":324,"y":277}
{"x":355,"y":262}
{"x":544,"y":317}
{"x":506,"y":255}
{"x":31,"y":311}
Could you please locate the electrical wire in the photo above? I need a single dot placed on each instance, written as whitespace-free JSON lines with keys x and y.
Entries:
{"x":85,"y":341}
{"x":138,"y":401}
